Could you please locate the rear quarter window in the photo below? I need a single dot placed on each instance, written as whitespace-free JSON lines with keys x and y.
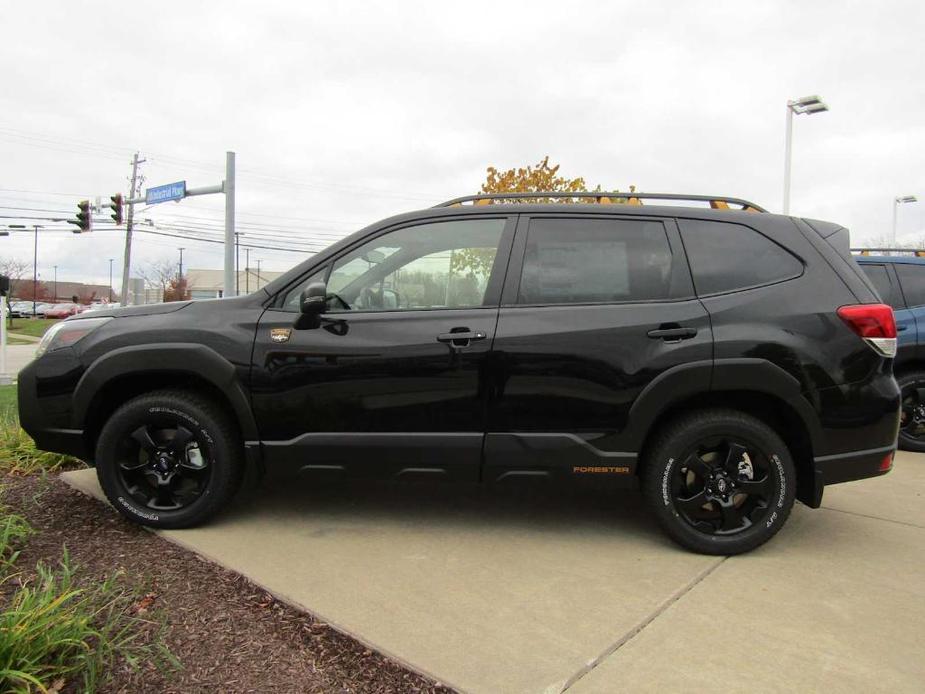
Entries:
{"x":726,"y":257}
{"x":912,"y":279}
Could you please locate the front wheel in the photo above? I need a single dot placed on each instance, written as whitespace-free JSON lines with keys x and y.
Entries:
{"x":719,"y":481}
{"x":169,"y":459}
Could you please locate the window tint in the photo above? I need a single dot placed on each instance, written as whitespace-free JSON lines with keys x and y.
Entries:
{"x":879,"y":276}
{"x":912,"y":279}
{"x":595,"y":260}
{"x":439,"y":265}
{"x":725,"y":257}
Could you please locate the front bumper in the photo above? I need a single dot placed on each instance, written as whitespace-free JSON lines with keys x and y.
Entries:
{"x":45,"y":394}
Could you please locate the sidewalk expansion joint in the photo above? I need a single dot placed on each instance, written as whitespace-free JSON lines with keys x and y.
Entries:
{"x":866,"y":515}
{"x":628,"y":636}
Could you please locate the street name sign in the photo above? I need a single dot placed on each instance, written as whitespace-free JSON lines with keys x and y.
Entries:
{"x":165,"y":193}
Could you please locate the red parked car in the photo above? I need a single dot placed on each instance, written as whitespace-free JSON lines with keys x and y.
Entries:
{"x":63,"y":310}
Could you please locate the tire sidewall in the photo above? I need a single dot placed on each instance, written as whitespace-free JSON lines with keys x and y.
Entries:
{"x":671,"y":454}
{"x":906,"y":443}
{"x":153,"y":410}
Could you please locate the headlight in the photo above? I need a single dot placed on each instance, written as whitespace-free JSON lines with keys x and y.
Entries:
{"x":67,"y":333}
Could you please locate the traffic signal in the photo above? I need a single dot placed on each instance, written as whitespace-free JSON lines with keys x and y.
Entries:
{"x":84,"y":221}
{"x":116,"y":206}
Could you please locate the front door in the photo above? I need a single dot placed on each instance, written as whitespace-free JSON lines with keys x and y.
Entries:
{"x":594,"y":308}
{"x":390,"y":383}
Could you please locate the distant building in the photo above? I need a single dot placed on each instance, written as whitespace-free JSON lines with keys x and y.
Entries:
{"x":208,"y":284}
{"x":62,"y":291}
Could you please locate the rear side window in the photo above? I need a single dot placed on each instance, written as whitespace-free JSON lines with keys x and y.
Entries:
{"x":879,"y":275}
{"x":725,"y":257}
{"x":912,"y":279}
{"x":595,"y":260}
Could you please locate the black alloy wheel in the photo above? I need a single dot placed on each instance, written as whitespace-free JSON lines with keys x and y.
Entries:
{"x":912,"y":414}
{"x":723,"y":486}
{"x":719,"y":481}
{"x":170,"y":458}
{"x":164,"y":468}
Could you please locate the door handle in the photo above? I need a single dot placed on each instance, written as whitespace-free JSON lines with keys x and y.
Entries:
{"x":901,"y":328}
{"x":675,"y":334}
{"x":461,"y":337}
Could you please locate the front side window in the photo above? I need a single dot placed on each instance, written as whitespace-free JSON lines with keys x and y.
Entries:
{"x":726,"y":257}
{"x":569,"y":261}
{"x":427,"y":266}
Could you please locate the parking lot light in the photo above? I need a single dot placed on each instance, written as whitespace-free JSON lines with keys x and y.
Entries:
{"x":897,"y":201}
{"x":806,"y":105}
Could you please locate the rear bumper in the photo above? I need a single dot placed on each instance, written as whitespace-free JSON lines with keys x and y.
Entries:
{"x":857,"y":465}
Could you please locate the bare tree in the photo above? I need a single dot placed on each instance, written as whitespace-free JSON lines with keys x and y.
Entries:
{"x":158,"y":274}
{"x":14,"y":268}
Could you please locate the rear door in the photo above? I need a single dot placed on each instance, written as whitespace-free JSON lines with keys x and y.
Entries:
{"x":911,"y":278}
{"x":594,"y":308}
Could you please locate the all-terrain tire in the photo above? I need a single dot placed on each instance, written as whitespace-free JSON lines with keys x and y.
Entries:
{"x":910,"y":379}
{"x":212,"y":427}
{"x":673,"y":444}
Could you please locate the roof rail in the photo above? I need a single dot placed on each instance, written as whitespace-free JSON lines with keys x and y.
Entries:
{"x":917,"y":252}
{"x":605,"y":198}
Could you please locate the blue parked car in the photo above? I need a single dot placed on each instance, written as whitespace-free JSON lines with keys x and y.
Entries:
{"x":900,"y":281}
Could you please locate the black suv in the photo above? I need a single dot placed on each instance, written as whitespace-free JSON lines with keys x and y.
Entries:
{"x":730,"y":359}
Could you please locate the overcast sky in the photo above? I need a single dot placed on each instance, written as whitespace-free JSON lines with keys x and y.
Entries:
{"x":343,"y":113}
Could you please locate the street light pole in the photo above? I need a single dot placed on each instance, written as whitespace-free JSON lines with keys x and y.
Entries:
{"x":54,"y":299}
{"x":110,"y":280}
{"x":807,"y":105}
{"x":897,"y":201}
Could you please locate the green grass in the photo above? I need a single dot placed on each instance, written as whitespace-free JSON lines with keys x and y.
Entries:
{"x":35,"y":327}
{"x":56,"y":632}
{"x":18,"y":454}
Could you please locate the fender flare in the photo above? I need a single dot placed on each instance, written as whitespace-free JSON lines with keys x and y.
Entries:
{"x":683,"y":381}
{"x":173,"y":357}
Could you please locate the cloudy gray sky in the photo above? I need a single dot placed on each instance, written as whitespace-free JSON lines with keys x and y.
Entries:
{"x":343,"y":113}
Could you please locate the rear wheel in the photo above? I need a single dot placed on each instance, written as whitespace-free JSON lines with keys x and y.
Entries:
{"x":912,"y":417}
{"x":719,"y":481}
{"x":169,"y":459}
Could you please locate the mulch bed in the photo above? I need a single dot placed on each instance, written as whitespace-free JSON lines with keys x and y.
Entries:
{"x":228,"y":634}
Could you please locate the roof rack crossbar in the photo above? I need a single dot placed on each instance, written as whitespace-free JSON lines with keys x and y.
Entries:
{"x":716,"y":201}
{"x":918,"y":252}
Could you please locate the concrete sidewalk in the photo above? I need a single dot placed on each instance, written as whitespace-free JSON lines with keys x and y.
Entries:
{"x":502,"y":591}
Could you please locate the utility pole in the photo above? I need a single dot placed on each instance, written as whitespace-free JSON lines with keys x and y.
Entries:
{"x":237,"y":264}
{"x":35,"y":269}
{"x":247,"y":270}
{"x":229,"y":186}
{"x":258,"y":273}
{"x":130,"y":218}
{"x":110,"y":280}
{"x":54,"y":299}
{"x":180,"y":274}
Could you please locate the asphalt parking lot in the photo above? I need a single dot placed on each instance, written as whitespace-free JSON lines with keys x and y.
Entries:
{"x":507,"y":591}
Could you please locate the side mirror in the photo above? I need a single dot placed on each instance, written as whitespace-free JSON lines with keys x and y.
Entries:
{"x":314,"y":299}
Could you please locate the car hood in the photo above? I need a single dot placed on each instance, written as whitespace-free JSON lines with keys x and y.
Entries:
{"x":128,"y":311}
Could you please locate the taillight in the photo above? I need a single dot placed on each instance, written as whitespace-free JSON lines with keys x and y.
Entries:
{"x":887,"y":463}
{"x":874,"y":323}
